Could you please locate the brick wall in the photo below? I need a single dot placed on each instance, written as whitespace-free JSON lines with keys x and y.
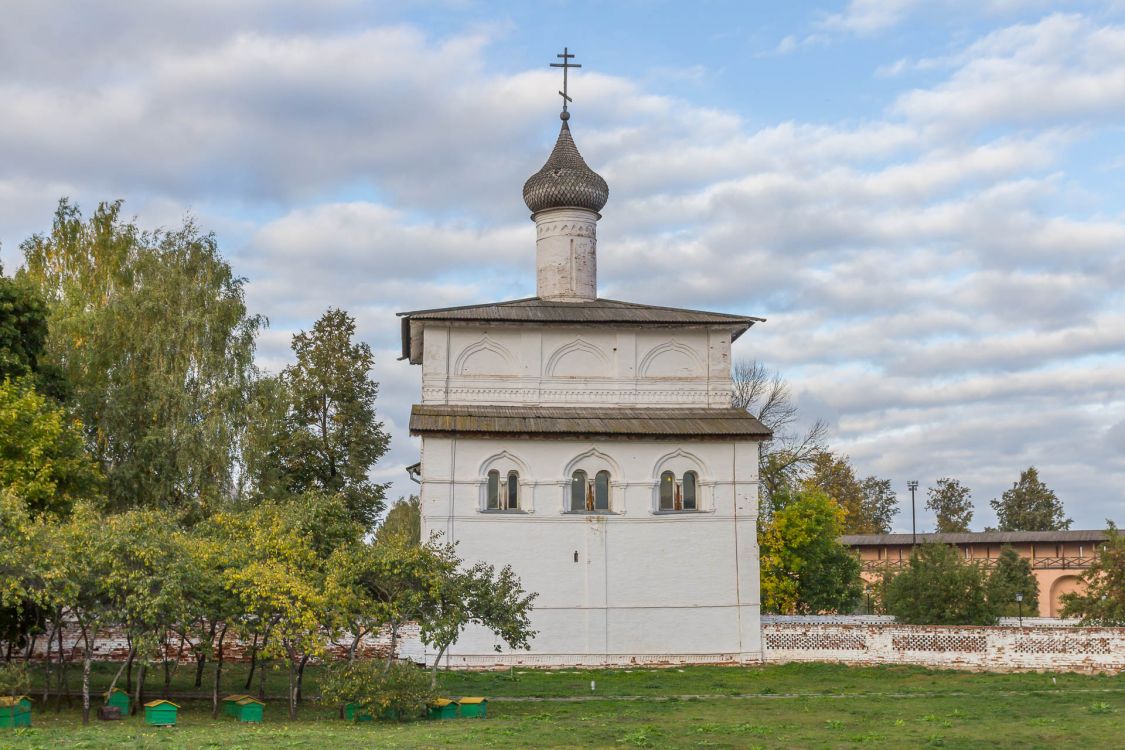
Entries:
{"x":999,"y":649}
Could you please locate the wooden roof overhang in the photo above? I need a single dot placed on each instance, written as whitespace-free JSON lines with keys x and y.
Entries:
{"x":586,"y":422}
{"x":974,"y":537}
{"x":555,"y":313}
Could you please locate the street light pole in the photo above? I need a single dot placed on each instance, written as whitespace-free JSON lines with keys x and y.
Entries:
{"x":1019,"y":601}
{"x":912,"y":485}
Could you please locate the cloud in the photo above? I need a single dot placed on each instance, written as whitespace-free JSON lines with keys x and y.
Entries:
{"x":935,"y":284}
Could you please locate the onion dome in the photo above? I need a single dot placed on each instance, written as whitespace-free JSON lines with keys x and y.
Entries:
{"x":565,"y":181}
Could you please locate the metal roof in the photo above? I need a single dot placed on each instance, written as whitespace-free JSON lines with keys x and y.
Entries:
{"x":975,"y":537}
{"x":586,"y":421}
{"x":565,"y":180}
{"x":553,"y":312}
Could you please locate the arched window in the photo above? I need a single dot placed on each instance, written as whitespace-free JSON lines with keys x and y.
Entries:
{"x":578,"y":491}
{"x":513,"y":491}
{"x":493,"y":499}
{"x":601,"y":490}
{"x":689,"y":491}
{"x":667,"y":491}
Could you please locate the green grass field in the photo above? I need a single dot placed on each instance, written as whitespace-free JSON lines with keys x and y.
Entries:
{"x":791,"y":706}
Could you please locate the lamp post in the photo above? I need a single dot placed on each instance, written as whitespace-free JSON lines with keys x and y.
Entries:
{"x":912,"y":485}
{"x":1019,"y":601}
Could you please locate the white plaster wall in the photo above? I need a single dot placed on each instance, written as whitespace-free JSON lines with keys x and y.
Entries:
{"x":647,"y":586}
{"x":552,"y":366}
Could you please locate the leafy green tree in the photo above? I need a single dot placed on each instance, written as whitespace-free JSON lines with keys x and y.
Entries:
{"x":401,"y":690}
{"x":23,"y":336}
{"x":151,"y":335}
{"x":952,"y":503}
{"x":1030,"y":505}
{"x":938,"y":588}
{"x":1011,"y":576}
{"x":404,"y":518}
{"x":478,"y":596}
{"x":869,"y":504}
{"x":1102,"y":602}
{"x":804,"y":569}
{"x":333,"y":437}
{"x":43,"y":457}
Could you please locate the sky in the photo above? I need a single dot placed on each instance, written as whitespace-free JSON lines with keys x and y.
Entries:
{"x":924,"y":199}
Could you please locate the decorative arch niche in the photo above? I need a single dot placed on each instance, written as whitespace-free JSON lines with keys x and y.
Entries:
{"x":578,"y":359}
{"x":485,"y":357}
{"x":671,"y":360}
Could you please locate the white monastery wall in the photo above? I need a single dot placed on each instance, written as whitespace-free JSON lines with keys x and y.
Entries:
{"x":632,"y":585}
{"x":551,"y":366}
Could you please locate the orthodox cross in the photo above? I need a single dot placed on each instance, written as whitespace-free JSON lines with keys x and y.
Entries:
{"x":566,"y":65}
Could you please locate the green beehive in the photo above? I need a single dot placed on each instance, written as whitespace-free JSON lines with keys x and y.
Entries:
{"x":249,"y":709}
{"x":443,"y":708}
{"x":475,"y":708}
{"x":161,"y":713}
{"x":230,"y":704}
{"x":15,"y":711}
{"x":118,"y":698}
{"x":355,"y":712}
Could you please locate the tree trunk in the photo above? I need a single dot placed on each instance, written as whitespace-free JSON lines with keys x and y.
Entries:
{"x":261,"y":683}
{"x":86,"y":660}
{"x":8,"y":652}
{"x":47,"y":664}
{"x":30,"y":648}
{"x":394,"y":647}
{"x":301,"y":677}
{"x":201,"y":657}
{"x":437,"y":661}
{"x":355,"y":645}
{"x":116,"y":677}
{"x":129,"y":666}
{"x":292,"y":663}
{"x":218,"y":673}
{"x":139,"y":697}
{"x":253,"y":663}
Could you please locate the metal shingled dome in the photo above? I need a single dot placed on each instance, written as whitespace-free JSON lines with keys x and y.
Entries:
{"x":565,"y":181}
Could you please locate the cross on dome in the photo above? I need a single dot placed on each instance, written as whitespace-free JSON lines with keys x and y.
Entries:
{"x":566,"y":65}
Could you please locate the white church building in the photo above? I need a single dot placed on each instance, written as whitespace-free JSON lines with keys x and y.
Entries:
{"x":591,"y":444}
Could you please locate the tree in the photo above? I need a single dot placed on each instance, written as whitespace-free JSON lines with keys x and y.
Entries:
{"x":23,"y":335}
{"x":333,"y":437}
{"x":43,"y":457}
{"x":151,"y":334}
{"x":475,"y":596}
{"x":786,"y":458}
{"x":1102,"y":603}
{"x":952,"y":503}
{"x":869,"y":504}
{"x":1030,"y":505}
{"x":405,"y":518}
{"x":1011,"y":576}
{"x":804,"y":569}
{"x":938,"y":588}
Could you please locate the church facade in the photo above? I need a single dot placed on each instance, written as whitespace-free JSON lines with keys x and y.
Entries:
{"x":591,"y":444}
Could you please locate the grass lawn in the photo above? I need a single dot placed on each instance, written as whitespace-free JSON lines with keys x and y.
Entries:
{"x":790,"y":706}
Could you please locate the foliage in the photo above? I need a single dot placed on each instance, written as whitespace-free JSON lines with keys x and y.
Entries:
{"x":404,"y":518}
{"x":952,"y":503}
{"x":402,"y":690}
{"x":869,"y":504}
{"x":1103,"y":600}
{"x":14,"y":679}
{"x":804,"y":569}
{"x":1011,"y":576}
{"x":786,"y":458}
{"x":1030,"y":505}
{"x":43,"y":456}
{"x":150,"y":332}
{"x":331,"y":436}
{"x":938,"y":588}
{"x":23,"y":335}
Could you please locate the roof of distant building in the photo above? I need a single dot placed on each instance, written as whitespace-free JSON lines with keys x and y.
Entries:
{"x":553,"y":312}
{"x":974,"y":537}
{"x":587,"y":422}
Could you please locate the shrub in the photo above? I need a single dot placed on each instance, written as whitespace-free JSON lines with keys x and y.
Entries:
{"x":938,"y":588}
{"x":400,"y":690}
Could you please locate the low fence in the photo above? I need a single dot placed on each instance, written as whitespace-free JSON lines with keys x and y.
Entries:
{"x":1039,"y":645}
{"x":995,"y":648}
